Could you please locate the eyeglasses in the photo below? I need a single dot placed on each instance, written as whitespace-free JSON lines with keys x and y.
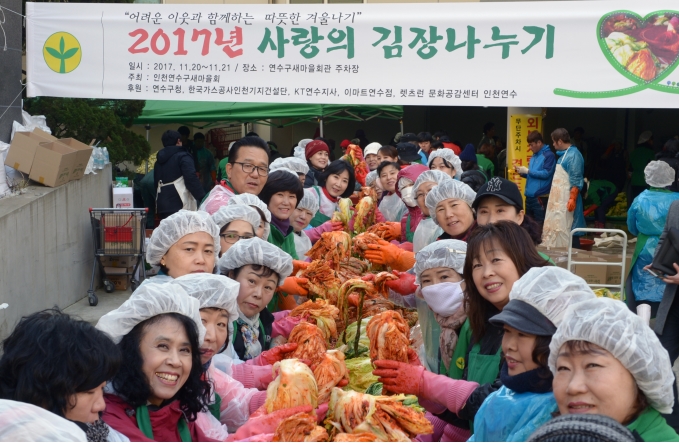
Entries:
{"x":248,"y":168}
{"x":233,"y":238}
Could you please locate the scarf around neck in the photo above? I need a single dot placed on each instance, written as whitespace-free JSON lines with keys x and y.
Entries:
{"x":249,"y":329}
{"x":328,"y":196}
{"x":534,"y":381}
{"x":282,"y":225}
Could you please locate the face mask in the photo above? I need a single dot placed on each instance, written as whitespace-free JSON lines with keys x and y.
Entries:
{"x":444,"y":298}
{"x":408,"y":197}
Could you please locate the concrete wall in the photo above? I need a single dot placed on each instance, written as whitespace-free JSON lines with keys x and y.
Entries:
{"x":46,"y":246}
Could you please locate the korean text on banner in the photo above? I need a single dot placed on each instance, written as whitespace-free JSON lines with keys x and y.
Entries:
{"x":519,"y":153}
{"x":517,"y":54}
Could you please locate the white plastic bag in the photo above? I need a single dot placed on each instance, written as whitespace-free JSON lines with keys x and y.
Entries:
{"x":4,"y":189}
{"x":30,"y":122}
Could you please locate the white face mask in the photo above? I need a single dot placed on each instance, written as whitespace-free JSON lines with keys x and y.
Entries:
{"x":407,"y":196}
{"x":444,"y":298}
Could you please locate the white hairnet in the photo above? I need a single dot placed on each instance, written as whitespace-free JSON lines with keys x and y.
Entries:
{"x":251,"y":200}
{"x":611,"y":325}
{"x":659,"y":174}
{"x":27,"y":422}
{"x":148,"y":301}
{"x":430,"y":176}
{"x":280,"y":168}
{"x":309,"y":201}
{"x":298,"y":152}
{"x":371,"y":178}
{"x":212,"y":291}
{"x":292,"y":163}
{"x":447,"y":190}
{"x":441,"y":254}
{"x":255,"y":251}
{"x":177,"y":226}
{"x":227,"y":214}
{"x":551,"y":290}
{"x":449,"y":156}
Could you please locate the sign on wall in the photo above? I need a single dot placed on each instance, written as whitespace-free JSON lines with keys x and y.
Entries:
{"x":518,"y":152}
{"x":568,"y":54}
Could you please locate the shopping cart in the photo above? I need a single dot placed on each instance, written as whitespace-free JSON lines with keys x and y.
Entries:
{"x":117,"y":233}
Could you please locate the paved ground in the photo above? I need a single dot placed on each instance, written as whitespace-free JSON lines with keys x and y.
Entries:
{"x":107,"y":302}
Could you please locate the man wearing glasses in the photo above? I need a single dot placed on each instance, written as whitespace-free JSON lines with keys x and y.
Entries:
{"x":246,"y":172}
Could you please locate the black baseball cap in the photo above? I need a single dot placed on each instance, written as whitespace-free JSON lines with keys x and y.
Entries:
{"x":525,"y":318}
{"x":408,"y":152}
{"x":499,"y":187}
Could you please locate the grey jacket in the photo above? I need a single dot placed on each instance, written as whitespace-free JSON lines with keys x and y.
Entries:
{"x":670,"y":290}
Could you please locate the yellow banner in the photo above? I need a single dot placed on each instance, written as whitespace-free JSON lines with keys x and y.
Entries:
{"x":518,"y":153}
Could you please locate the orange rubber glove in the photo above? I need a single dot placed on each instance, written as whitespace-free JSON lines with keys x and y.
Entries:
{"x":405,"y":285}
{"x":291,"y":285}
{"x":389,"y":231}
{"x":299,"y":265}
{"x":398,"y":377}
{"x":573,"y":200}
{"x":384,"y":253}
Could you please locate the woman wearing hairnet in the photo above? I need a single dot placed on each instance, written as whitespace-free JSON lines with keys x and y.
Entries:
{"x":62,"y":365}
{"x":159,"y":391}
{"x":606,"y":360}
{"x":446,"y":161}
{"x":301,"y":217}
{"x":235,"y":222}
{"x":450,"y":206}
{"x":185,"y":242}
{"x":255,"y":203}
{"x":260,"y":268}
{"x":26,"y":422}
{"x":537,"y":304}
{"x":427,"y":231}
{"x":231,"y":403}
{"x":410,"y":220}
{"x":294,"y":164}
{"x":646,"y":219}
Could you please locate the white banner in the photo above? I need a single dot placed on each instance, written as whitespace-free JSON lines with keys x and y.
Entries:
{"x":534,"y":54}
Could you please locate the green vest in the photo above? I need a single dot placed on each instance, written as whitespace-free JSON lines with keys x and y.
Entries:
{"x":286,"y":243}
{"x":486,"y":165}
{"x":651,"y":426}
{"x":482,"y":368}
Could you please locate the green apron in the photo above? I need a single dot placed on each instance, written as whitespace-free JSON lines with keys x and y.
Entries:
{"x":409,"y":235}
{"x":482,"y":368}
{"x":319,"y":218}
{"x":215,"y":408}
{"x":144,"y":424}
{"x":286,"y":243}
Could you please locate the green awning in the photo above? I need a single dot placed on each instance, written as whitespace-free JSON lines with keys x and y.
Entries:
{"x":164,"y":111}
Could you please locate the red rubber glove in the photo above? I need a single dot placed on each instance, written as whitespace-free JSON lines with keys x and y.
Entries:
{"x":413,"y":358}
{"x":398,"y":377}
{"x":405,"y":285}
{"x":276,"y":354}
{"x":333,"y":226}
{"x":292,"y":285}
{"x":573,"y":200}
{"x":266,"y":424}
{"x":384,"y":253}
{"x":368,"y":277}
{"x":299,"y":265}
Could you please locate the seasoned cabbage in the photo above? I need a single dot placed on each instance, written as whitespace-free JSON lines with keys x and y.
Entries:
{"x":294,"y":385}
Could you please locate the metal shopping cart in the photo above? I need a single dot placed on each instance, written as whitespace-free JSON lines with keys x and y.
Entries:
{"x":117,"y":233}
{"x":623,"y":272}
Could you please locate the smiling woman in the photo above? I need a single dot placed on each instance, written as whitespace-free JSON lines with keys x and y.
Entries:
{"x":160,"y":389}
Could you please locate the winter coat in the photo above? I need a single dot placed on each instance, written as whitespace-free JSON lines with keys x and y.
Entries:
{"x":540,"y":173}
{"x":651,"y":426}
{"x":122,"y":417}
{"x":172,"y":163}
{"x":311,"y":178}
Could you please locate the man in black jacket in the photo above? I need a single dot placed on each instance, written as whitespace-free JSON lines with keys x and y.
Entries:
{"x":172,"y":163}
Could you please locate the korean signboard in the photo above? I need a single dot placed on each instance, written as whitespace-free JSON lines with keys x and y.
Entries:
{"x":579,"y":54}
{"x":518,"y":152}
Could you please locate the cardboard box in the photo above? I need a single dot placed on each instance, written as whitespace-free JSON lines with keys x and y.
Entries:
{"x":118,"y":277}
{"x":52,"y":164}
{"x":118,"y":261}
{"x":592,"y":274}
{"x":122,"y":198}
{"x":613,"y":271}
{"x":22,"y":149}
{"x":83,"y":154}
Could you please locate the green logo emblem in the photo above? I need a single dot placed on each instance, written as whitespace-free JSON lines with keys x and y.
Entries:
{"x":62,"y":52}
{"x":645,"y":50}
